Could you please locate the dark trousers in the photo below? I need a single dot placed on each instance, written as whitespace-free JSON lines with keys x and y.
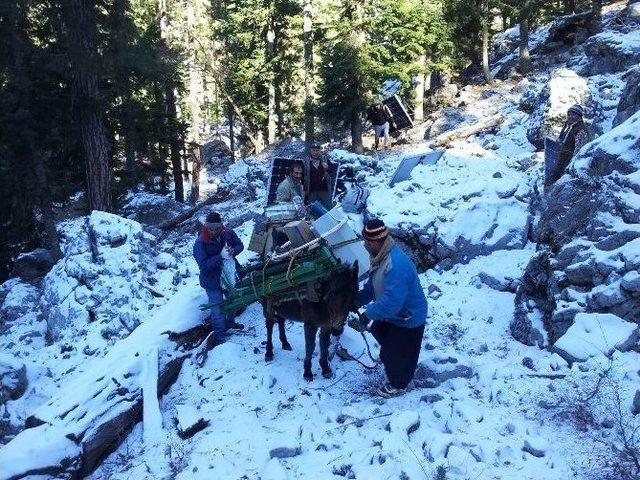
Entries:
{"x":399,"y":350}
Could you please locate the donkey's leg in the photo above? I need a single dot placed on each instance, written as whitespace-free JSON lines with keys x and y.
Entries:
{"x":269,"y":321}
{"x":283,"y":334}
{"x":309,"y":347}
{"x":325,"y":338}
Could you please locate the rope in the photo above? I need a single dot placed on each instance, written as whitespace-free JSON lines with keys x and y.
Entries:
{"x":288,"y":276}
{"x":368,"y":367}
{"x":334,"y":229}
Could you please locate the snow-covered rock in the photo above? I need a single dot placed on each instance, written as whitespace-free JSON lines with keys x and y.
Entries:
{"x":106,"y":264}
{"x":596,"y":334}
{"x":33,"y":265}
{"x":19,"y":298}
{"x":591,"y":227}
{"x":457,"y":210}
{"x":565,"y":88}
{"x":629,"y":98}
{"x":13,"y":379}
{"x":612,"y":51}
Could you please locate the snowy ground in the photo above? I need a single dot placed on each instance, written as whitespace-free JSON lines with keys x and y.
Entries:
{"x":482,"y":405}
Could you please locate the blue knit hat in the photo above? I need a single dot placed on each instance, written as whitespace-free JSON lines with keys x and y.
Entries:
{"x":576,"y":110}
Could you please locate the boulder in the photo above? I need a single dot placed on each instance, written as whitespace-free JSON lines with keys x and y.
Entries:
{"x":445,"y":96}
{"x":33,"y":265}
{"x":444,"y":120}
{"x":629,"y":99}
{"x":596,"y":334}
{"x":611,"y":51}
{"x":19,"y":299}
{"x":13,"y":379}
{"x":589,"y":239}
{"x":103,"y":279}
{"x":567,"y":31}
{"x":565,"y":88}
{"x":152,"y":209}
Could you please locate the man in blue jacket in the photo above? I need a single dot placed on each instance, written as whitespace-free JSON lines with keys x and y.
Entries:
{"x":213,"y":237}
{"x":396,"y":304}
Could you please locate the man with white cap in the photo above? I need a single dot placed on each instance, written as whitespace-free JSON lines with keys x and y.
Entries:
{"x":573,"y":136}
{"x":397,"y":305}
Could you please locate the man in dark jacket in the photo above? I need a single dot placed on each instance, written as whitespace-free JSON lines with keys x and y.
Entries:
{"x":573,"y":136}
{"x":398,"y":309}
{"x":380,"y":116}
{"x":318,"y":171}
{"x":207,"y":250}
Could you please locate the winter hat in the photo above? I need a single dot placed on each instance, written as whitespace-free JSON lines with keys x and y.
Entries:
{"x":316,"y":146}
{"x":214,"y":220}
{"x":576,"y":110}
{"x":375,"y":230}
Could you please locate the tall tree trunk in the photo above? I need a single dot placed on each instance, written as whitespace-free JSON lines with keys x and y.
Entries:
{"x":194,"y":79}
{"x":272,"y":118}
{"x":595,"y":24}
{"x":309,"y":87}
{"x":175,"y":144}
{"x":195,"y":175}
{"x":81,"y":24}
{"x":418,"y":107}
{"x":171,"y":110}
{"x":194,"y":103}
{"x":356,"y":133}
{"x":569,"y":6}
{"x":232,"y":138}
{"x":485,"y":41}
{"x":524,"y":59}
{"x":44,"y":195}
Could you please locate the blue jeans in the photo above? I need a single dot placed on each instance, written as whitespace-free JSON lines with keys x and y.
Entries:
{"x":218,"y":319}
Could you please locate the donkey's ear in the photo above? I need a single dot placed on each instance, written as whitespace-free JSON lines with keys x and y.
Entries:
{"x":354,"y":268}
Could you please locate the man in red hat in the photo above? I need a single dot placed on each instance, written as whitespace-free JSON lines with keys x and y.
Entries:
{"x":207,"y":250}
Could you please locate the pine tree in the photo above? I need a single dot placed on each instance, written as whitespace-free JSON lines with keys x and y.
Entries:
{"x":80,"y":21}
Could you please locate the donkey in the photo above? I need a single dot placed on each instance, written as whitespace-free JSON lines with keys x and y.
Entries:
{"x":337,"y":294}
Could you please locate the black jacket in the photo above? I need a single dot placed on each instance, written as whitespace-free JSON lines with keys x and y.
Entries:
{"x":379,"y":115}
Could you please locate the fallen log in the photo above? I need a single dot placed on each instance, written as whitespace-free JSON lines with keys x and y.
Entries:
{"x":68,"y":436}
{"x":220,"y":195}
{"x":479,"y":127}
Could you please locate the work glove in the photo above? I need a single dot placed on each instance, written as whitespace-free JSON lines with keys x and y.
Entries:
{"x":359,"y":323}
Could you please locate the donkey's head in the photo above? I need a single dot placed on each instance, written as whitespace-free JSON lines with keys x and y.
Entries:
{"x":339,"y":294}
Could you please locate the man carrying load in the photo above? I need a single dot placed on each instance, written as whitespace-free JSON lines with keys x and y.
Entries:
{"x":207,"y":250}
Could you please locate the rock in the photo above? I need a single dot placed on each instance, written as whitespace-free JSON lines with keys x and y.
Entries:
{"x":536,"y":447}
{"x":151,"y":209}
{"x":497,"y":282}
{"x":565,"y":31}
{"x":13,"y":379}
{"x":629,"y":99}
{"x":33,"y":265}
{"x":19,"y":299}
{"x":285,"y":452}
{"x":611,"y":51}
{"x":446,"y":119}
{"x":589,"y":240}
{"x":528,"y":362}
{"x":431,"y":398}
{"x":635,"y":406}
{"x":565,"y":88}
{"x":444,"y":96}
{"x":428,"y":377}
{"x":631,"y":281}
{"x":108,"y":261}
{"x":165,"y":260}
{"x":596,"y":334}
